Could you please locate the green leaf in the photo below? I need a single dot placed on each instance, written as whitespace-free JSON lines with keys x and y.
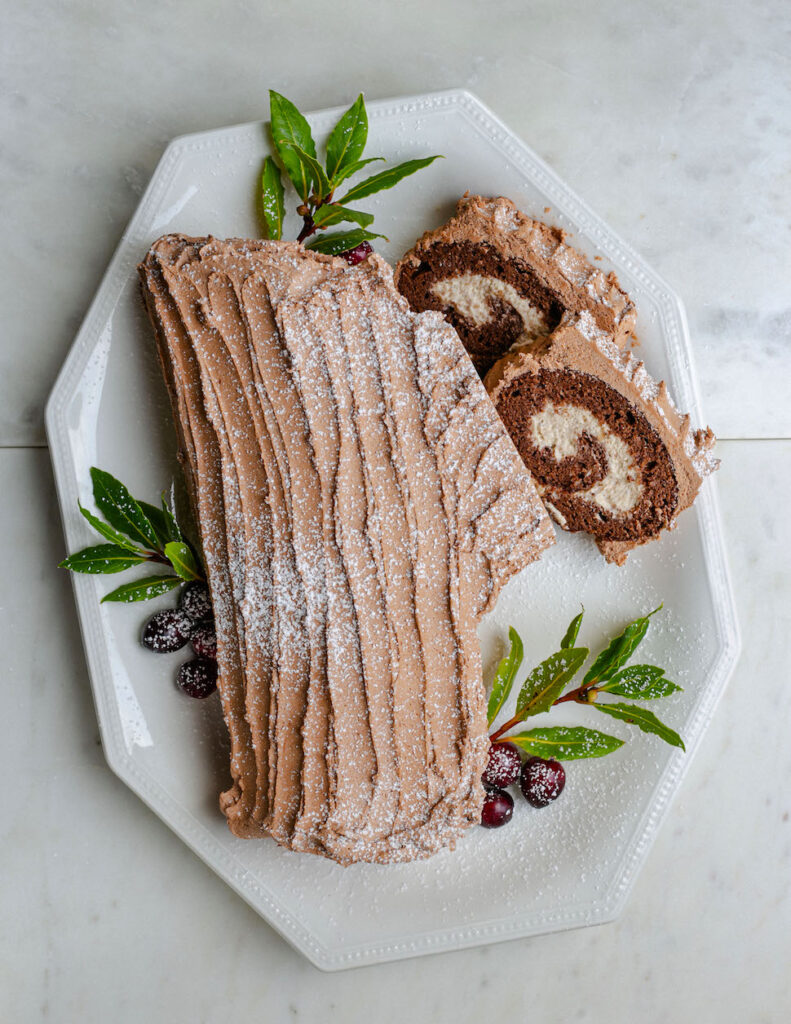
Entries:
{"x":351,"y":169}
{"x":546,"y":682}
{"x":347,"y":139}
{"x":341,"y":241}
{"x":332,"y":213}
{"x":570,"y":637}
{"x":107,"y":531}
{"x":643,"y":719}
{"x":102,"y":558}
{"x":273,"y":204}
{"x":156,"y":517}
{"x":174,"y":530}
{"x":504,"y":676}
{"x":386,"y":179}
{"x":312,"y":169}
{"x":183,"y":561}
{"x":566,"y":743}
{"x":120,"y":509}
{"x":143,"y":589}
{"x":289,"y":127}
{"x":640,"y":682}
{"x":618,"y":651}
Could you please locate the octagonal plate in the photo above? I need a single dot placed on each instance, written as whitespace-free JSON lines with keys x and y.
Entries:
{"x":571,"y":864}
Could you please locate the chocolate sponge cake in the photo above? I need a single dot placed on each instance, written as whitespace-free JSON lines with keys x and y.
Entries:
{"x":609,"y":451}
{"x":501,"y":278}
{"x":360,"y":506}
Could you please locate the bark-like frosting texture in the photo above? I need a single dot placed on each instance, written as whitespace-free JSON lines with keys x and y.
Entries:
{"x":360,"y":505}
{"x":607,"y":448}
{"x":502,"y":278}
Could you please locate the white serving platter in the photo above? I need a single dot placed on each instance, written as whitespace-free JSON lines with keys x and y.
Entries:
{"x":570,"y":864}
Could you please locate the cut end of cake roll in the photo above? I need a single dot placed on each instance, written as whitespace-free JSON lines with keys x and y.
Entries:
{"x":503,"y":279}
{"x":610,"y":453}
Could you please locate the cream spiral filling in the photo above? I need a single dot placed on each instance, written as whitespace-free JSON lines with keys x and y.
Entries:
{"x":471,"y":296}
{"x":561,"y":428}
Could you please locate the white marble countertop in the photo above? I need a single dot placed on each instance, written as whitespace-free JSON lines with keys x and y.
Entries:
{"x":673,"y":122}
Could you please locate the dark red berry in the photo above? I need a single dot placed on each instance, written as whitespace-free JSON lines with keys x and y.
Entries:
{"x":198,"y":678}
{"x":542,"y":781}
{"x":357,"y":254}
{"x":498,"y":806}
{"x":503,"y":766}
{"x":204,"y":640}
{"x":195,"y":602}
{"x":167,"y":631}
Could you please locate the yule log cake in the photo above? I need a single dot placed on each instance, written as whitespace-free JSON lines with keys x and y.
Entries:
{"x":360,"y":505}
{"x":608,"y":449}
{"x":502,"y":278}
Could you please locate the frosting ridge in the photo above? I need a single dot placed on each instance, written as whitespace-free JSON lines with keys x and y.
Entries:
{"x":360,"y":506}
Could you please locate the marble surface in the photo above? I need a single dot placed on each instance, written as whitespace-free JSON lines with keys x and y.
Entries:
{"x":106,"y":915}
{"x":670,"y":119}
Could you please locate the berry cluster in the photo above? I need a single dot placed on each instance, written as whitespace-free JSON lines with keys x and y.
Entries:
{"x":541,"y":782}
{"x":192,"y":622}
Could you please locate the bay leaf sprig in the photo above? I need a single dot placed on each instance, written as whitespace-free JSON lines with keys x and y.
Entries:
{"x":317,"y":183}
{"x":137,"y":532}
{"x":608,"y":674}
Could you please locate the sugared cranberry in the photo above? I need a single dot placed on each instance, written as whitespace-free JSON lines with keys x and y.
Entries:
{"x":204,"y":640}
{"x":542,"y":781}
{"x":498,"y":807}
{"x":167,"y":631}
{"x":503,"y":766}
{"x":198,"y":678}
{"x":357,"y":254}
{"x":195,"y":602}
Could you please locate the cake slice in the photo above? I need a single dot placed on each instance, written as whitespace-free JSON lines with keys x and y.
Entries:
{"x":360,"y":505}
{"x":610,"y":453}
{"x":501,"y":278}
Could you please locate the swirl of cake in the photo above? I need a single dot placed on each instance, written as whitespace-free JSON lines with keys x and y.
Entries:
{"x":503,"y":279}
{"x":360,"y":505}
{"x":607,"y":448}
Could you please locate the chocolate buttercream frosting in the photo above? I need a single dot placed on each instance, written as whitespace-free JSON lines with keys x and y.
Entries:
{"x":502,"y":279}
{"x":360,"y":505}
{"x":607,"y":448}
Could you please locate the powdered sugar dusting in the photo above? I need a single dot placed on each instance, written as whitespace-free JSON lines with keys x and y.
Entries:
{"x":360,"y":506}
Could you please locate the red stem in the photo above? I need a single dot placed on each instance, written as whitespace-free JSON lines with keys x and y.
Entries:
{"x":308,"y":228}
{"x":571,"y":695}
{"x":495,"y":736}
{"x":577,"y":695}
